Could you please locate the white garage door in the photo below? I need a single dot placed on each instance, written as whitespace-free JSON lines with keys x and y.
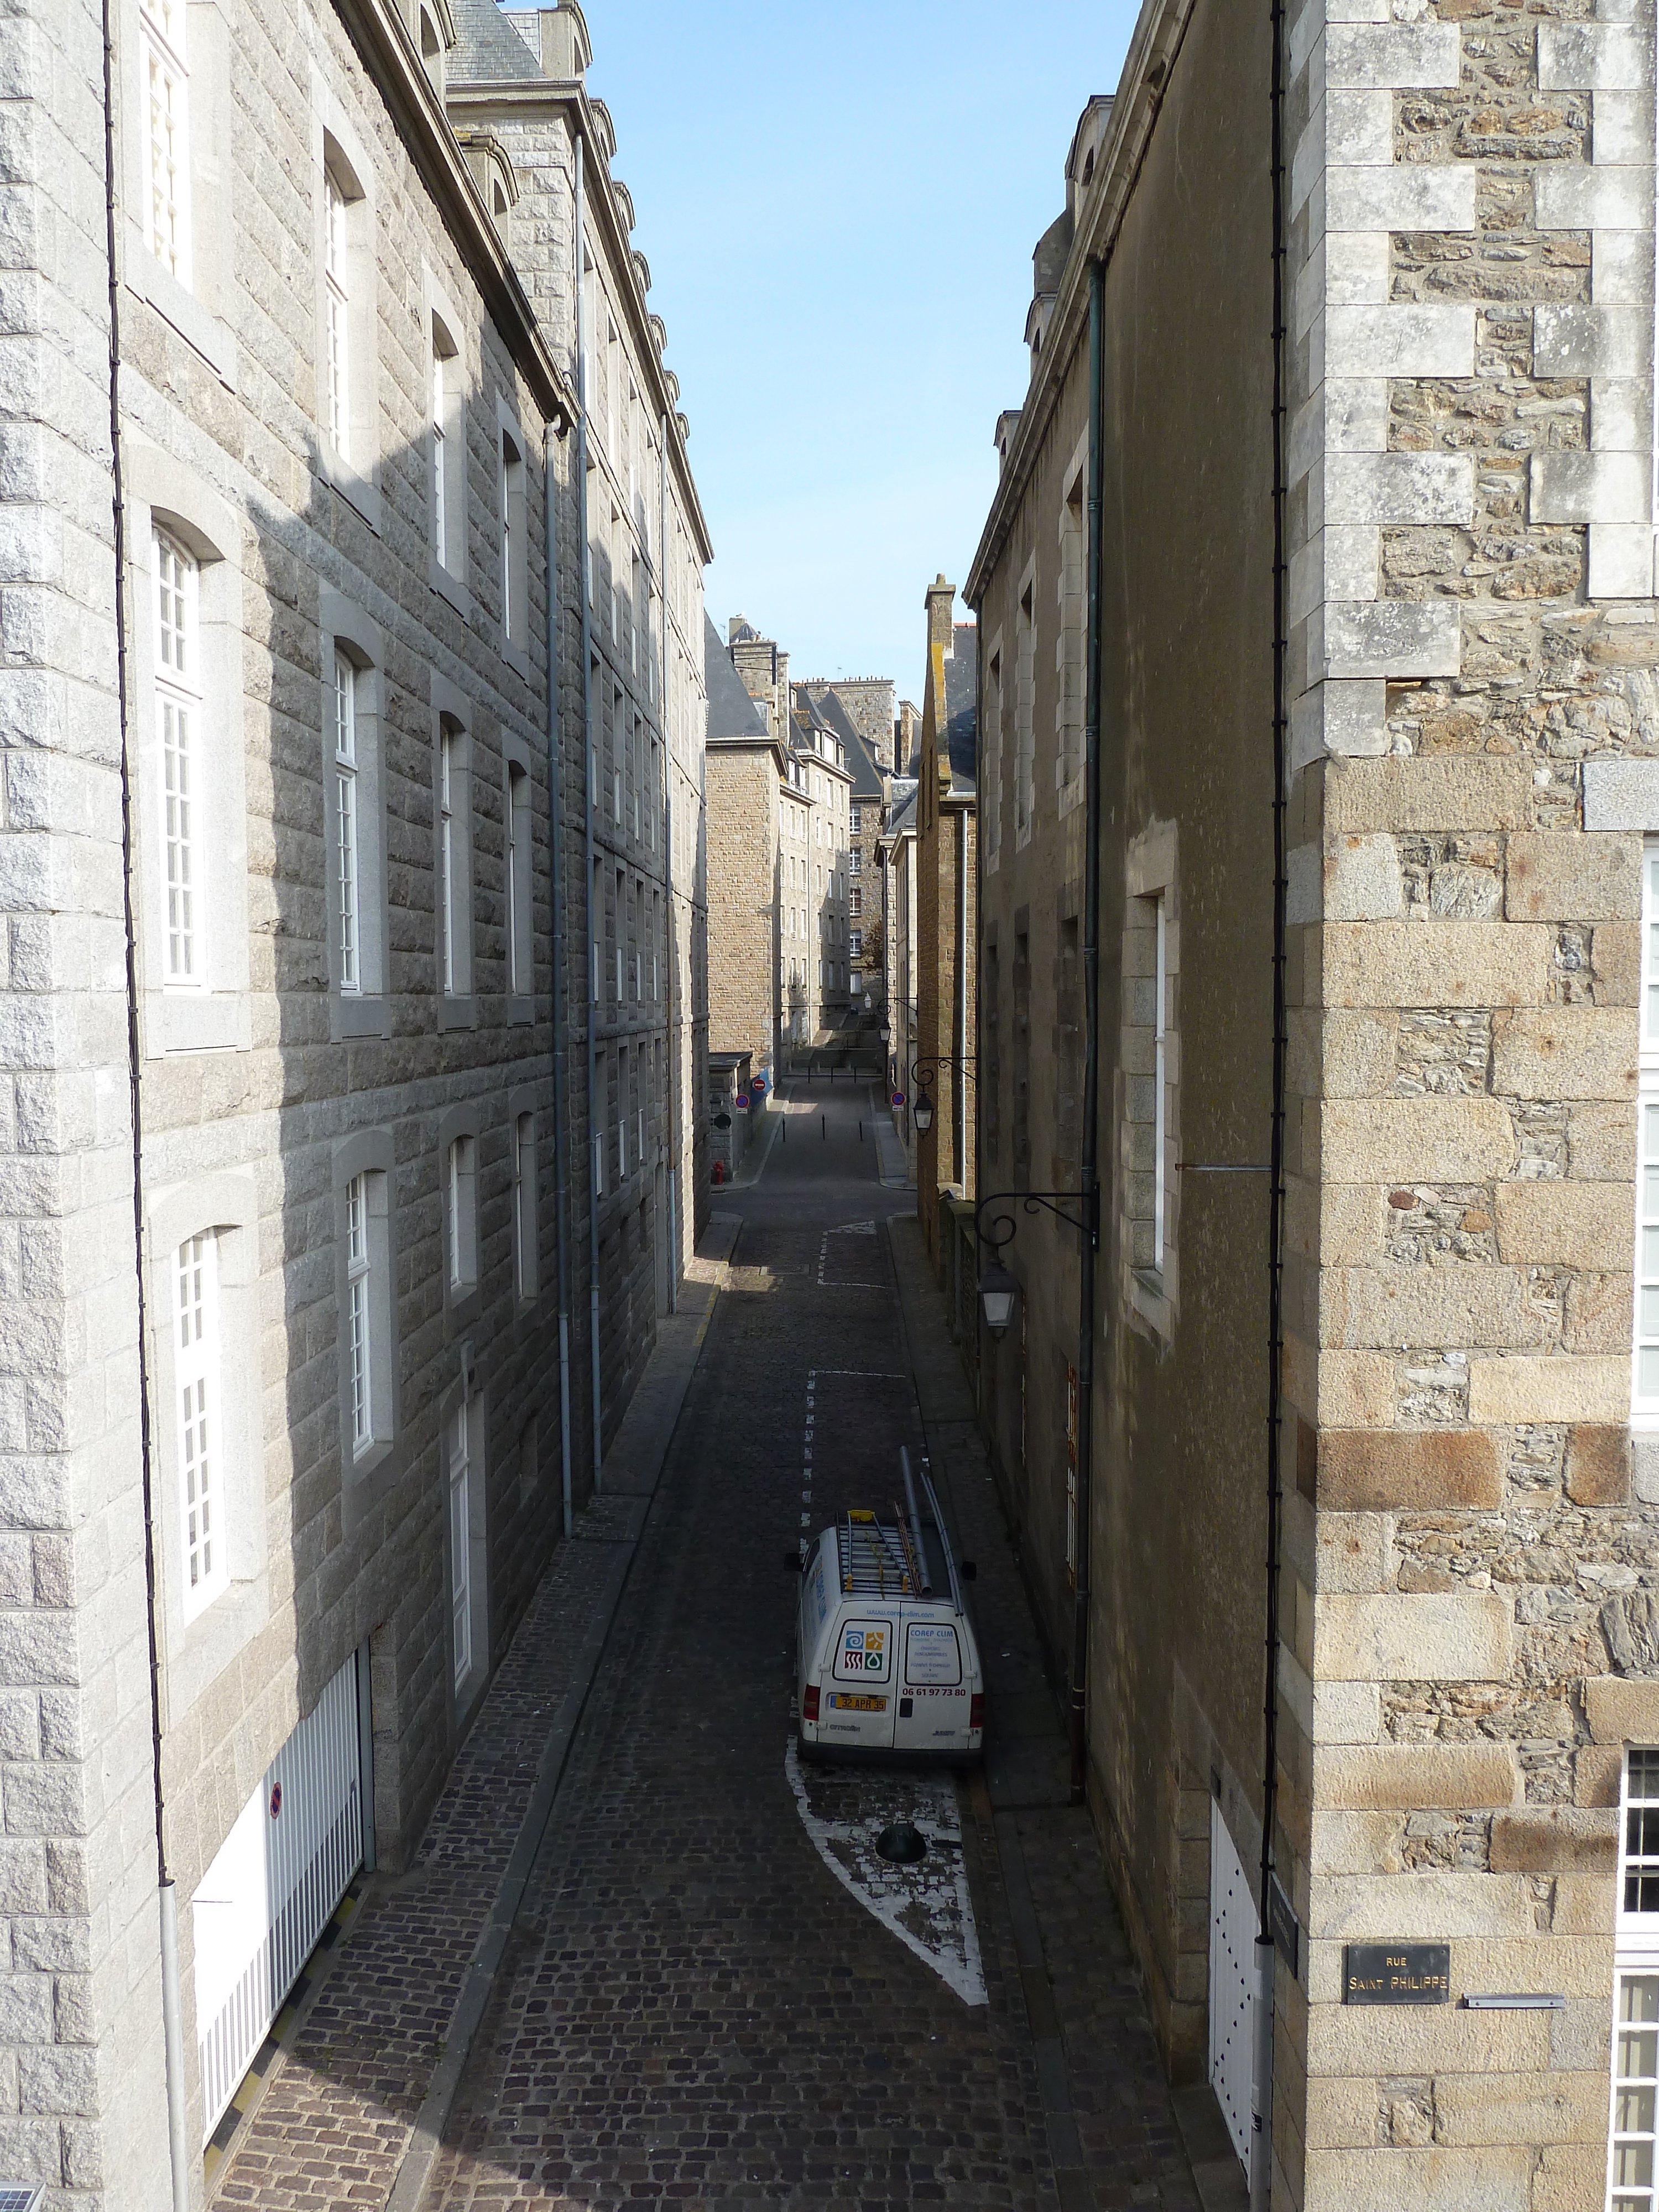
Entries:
{"x":273,"y":1887}
{"x":1233,"y":1927}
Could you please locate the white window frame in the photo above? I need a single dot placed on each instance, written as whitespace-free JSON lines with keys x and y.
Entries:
{"x":199,"y":1389}
{"x":454,"y":886}
{"x":179,"y":732}
{"x":347,"y":335}
{"x":461,"y":1214}
{"x":437,"y":433}
{"x":360,"y":1369}
{"x":168,"y":229}
{"x":1645,"y":1344}
{"x":1633,"y":2092}
{"x":461,"y":1539}
{"x":515,"y":523}
{"x":335,"y":367}
{"x":366,"y":1269}
{"x":518,"y":851}
{"x":526,"y":1240}
{"x":347,"y":878}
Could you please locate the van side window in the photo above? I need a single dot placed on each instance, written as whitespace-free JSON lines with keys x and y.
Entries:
{"x":932,"y":1653}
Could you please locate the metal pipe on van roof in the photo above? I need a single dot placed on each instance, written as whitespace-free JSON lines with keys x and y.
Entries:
{"x":915,"y":1524}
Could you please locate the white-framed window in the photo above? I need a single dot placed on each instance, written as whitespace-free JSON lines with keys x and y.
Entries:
{"x":515,"y":564}
{"x":990,"y":801}
{"x":448,"y":835}
{"x":461,"y":1214}
{"x":348,"y":893}
{"x":519,"y":976}
{"x":460,"y":1538}
{"x":857,"y":820}
{"x":1644,"y":1365}
{"x":525,"y":1239}
{"x":178,"y":730}
{"x":359,"y":1293}
{"x":336,"y":293}
{"x":167,"y":135}
{"x":205,"y":1561}
{"x":857,"y":945}
{"x":1633,"y":2122}
{"x":452,"y":860}
{"x":440,"y":420}
{"x":1149,"y":1130}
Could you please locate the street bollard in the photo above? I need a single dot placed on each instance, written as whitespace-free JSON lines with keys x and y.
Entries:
{"x":825,"y":1131}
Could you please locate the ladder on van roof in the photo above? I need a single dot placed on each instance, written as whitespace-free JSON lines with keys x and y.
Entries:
{"x":877,"y":1559}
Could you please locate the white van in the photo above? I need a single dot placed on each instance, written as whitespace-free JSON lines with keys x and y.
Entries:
{"x":886,"y":1666}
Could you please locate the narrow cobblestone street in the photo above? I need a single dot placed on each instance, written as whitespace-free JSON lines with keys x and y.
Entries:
{"x":692,"y":2011}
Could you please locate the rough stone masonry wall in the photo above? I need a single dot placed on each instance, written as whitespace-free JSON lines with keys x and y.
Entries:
{"x":743,"y":902}
{"x":80,"y":2093}
{"x":1471,"y":1564}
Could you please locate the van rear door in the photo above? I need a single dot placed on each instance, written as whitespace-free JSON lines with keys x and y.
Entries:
{"x":855,"y":1709}
{"x":933,"y":1694}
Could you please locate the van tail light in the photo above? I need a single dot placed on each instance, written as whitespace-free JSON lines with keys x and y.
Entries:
{"x":976,"y":1709}
{"x":809,"y":1702}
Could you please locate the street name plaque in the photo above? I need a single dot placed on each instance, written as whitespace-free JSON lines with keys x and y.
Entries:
{"x":1396,"y":1973}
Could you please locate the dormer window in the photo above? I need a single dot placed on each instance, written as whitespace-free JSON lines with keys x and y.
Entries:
{"x":432,"y":50}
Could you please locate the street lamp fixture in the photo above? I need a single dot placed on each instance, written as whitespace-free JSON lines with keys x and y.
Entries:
{"x":922,"y":1112}
{"x":886,"y":1031}
{"x":998,"y":1292}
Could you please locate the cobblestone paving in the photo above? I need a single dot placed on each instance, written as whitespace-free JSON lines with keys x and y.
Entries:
{"x":692,"y":2012}
{"x":334,"y":2122}
{"x":698,"y":2014}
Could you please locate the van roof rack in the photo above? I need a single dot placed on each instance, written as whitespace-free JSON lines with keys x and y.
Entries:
{"x":875,"y":1557}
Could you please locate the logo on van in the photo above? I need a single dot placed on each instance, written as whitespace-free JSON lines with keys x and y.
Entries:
{"x":863,"y":1651}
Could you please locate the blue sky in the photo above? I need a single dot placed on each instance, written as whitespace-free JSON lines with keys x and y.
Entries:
{"x":839,"y":205}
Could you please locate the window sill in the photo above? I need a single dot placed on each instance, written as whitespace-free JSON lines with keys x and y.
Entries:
{"x":366,"y":1481}
{"x":198,"y":326}
{"x":1150,"y":1301}
{"x":519,"y":1010}
{"x":458,"y":1011}
{"x":517,"y":659}
{"x":449,"y":587}
{"x":197,"y":1021}
{"x":353,"y":1016}
{"x":356,"y":490}
{"x":462,"y":1307}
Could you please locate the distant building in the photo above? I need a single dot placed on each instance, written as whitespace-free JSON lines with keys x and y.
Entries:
{"x":746,"y":765}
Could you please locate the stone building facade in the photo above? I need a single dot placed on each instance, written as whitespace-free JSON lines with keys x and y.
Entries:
{"x":517,"y":96}
{"x":896,"y":856}
{"x":284,"y":991}
{"x":1458,"y":1484}
{"x":814,"y":814}
{"x":866,"y":763}
{"x":946,"y":860}
{"x":745,"y":769}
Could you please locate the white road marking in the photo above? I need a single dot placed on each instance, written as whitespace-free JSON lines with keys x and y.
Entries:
{"x":928,"y":1905}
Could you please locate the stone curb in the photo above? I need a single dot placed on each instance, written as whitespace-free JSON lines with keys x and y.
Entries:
{"x":477,"y":1986}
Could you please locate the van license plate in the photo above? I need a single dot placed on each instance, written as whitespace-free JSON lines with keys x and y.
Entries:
{"x":846,"y":1704}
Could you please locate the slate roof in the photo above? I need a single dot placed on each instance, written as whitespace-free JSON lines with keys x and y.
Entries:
{"x":903,"y":816}
{"x":731,"y":712}
{"x":487,"y":48}
{"x":866,"y":777}
{"x":962,"y":707}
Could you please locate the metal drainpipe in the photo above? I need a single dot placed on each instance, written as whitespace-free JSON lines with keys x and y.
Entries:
{"x":595,"y":1133}
{"x":173,"y":2038}
{"x":560,"y":981}
{"x":1261,"y":2113}
{"x":670,"y":962}
{"x":1088,"y":1166}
